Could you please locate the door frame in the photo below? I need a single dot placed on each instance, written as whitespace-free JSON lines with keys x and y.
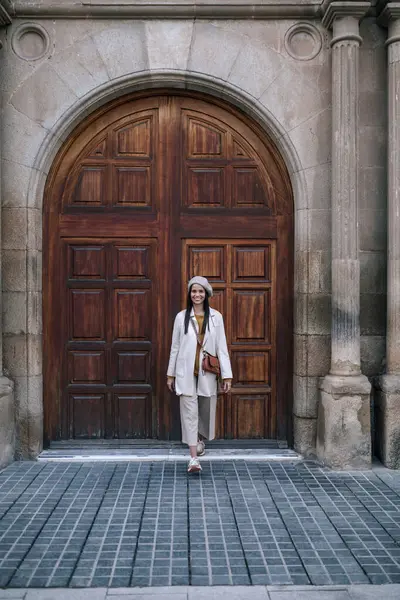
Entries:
{"x":285,"y":259}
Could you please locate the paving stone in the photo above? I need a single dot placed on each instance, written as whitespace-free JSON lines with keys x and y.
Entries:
{"x":310,"y":595}
{"x":235,"y":593}
{"x":65,"y":594}
{"x":366,"y":592}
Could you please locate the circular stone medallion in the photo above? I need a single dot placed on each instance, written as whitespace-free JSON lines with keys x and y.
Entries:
{"x":303,"y":41}
{"x":30,"y":41}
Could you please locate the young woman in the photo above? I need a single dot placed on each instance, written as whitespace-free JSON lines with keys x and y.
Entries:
{"x":196,"y":328}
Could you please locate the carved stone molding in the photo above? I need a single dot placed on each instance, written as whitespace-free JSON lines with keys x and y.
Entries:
{"x":336,"y":10}
{"x":389,"y":11}
{"x":5,"y":18}
{"x":171,"y":9}
{"x":303,"y":41}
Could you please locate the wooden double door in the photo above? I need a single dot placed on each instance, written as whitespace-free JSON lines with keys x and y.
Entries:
{"x":146,"y":193}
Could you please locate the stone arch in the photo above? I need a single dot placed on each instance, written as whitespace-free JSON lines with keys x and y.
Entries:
{"x":172,"y":79}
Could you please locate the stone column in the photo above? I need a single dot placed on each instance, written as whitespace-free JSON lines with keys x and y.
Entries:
{"x":343,"y":431}
{"x":7,"y":407}
{"x":388,"y":395}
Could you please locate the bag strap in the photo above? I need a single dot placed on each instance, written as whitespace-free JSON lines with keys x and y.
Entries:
{"x":197,"y":336}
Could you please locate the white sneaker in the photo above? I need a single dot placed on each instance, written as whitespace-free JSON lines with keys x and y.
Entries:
{"x":201,"y":448}
{"x":194,"y":465}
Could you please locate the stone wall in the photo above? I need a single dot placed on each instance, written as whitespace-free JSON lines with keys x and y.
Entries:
{"x":279,"y":72}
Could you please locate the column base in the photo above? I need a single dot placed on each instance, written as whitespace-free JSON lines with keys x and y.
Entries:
{"x":344,"y":422}
{"x":387,"y":420}
{"x":7,"y":421}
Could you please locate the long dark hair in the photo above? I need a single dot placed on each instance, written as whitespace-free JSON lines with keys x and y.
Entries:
{"x":189,"y":306}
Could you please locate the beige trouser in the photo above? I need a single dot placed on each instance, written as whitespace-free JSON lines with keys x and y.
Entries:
{"x":197,"y":416}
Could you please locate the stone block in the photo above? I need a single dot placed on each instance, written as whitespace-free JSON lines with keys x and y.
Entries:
{"x":14,"y":228}
{"x":122,"y":47}
{"x":311,"y":355}
{"x":67,"y":594}
{"x":7,"y":421}
{"x":15,"y":183}
{"x":312,"y":139}
{"x":238,"y":592}
{"x":373,"y":272}
{"x":373,"y":108}
{"x":319,"y":272}
{"x":14,"y":270}
{"x":15,"y":355}
{"x":80,"y":67}
{"x":34,"y":271}
{"x":34,"y":310}
{"x":373,"y":314}
{"x":22,"y":138}
{"x":168,"y":43}
{"x":270,"y":33}
{"x":14,"y":70}
{"x":29,"y":416}
{"x":300,"y":325}
{"x":302,"y":230}
{"x":373,"y":230}
{"x":301,"y":272}
{"x":254,"y":70}
{"x":65,"y":35}
{"x":14,"y":313}
{"x":21,"y":417}
{"x":43,"y":108}
{"x":305,"y":397}
{"x":304,"y":434}
{"x":369,"y":592}
{"x":35,"y":356}
{"x":387,"y":420}
{"x":373,"y":35}
{"x":318,"y":180}
{"x":35,"y":395}
{"x":313,"y":314}
{"x":373,"y":352}
{"x":320,"y":229}
{"x":344,"y":422}
{"x":372,"y":146}
{"x":312,"y":271}
{"x":372,"y":69}
{"x":206,"y":55}
{"x":35,"y":229}
{"x":293,"y":104}
{"x":373,"y":188}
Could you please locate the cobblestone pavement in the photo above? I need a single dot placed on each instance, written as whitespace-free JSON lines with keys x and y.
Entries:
{"x":239,"y":523}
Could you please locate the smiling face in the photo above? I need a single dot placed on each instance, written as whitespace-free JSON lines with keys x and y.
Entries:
{"x":197,"y":294}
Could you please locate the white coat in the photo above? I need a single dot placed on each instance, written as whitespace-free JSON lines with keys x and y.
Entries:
{"x":183,"y":355}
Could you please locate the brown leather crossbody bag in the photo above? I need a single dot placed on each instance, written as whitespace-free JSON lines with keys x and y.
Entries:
{"x":210,"y":363}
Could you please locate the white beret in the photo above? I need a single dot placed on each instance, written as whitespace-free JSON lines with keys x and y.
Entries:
{"x":203,"y":282}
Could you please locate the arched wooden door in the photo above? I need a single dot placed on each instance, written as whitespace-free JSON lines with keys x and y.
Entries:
{"x":148,"y":192}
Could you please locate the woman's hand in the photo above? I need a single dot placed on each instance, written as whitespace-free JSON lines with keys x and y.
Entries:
{"x":171,"y":383}
{"x":227,"y":384}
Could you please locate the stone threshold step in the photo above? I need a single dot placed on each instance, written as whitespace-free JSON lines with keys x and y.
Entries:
{"x":172,"y":455}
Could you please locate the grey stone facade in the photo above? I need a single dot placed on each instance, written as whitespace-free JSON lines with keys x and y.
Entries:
{"x":316,"y":76}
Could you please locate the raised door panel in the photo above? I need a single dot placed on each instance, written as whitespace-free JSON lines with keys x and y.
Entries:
{"x":132,"y":315}
{"x":87,"y":315}
{"x":252,"y":323}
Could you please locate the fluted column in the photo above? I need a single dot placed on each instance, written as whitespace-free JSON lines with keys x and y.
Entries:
{"x":344,"y":437}
{"x":388,"y":397}
{"x":7,"y":407}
